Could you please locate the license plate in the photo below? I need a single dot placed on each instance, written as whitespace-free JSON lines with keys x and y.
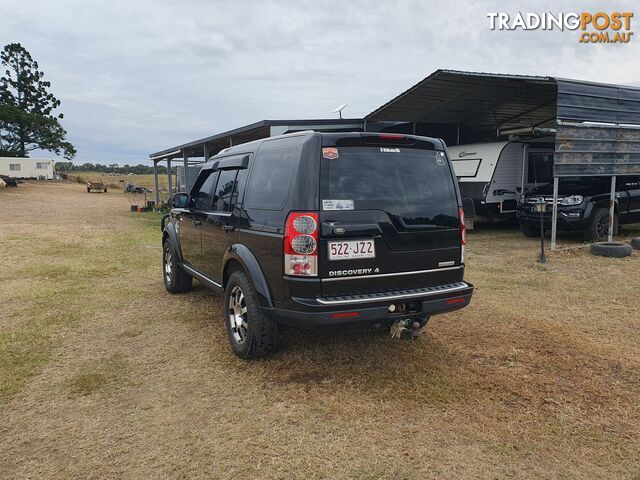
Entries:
{"x":351,"y":249}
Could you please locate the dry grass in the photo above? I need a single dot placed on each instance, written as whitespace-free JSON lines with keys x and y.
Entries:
{"x":103,"y":374}
{"x":118,"y":182}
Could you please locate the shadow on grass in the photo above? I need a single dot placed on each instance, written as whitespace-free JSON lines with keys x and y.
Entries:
{"x":369,"y":362}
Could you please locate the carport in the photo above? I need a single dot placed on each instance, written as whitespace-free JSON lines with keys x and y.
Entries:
{"x":197,"y":152}
{"x":596,"y":126}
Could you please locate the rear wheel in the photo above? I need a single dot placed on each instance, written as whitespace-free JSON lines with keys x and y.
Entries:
{"x":252,"y":333}
{"x":530,"y":232}
{"x":176,"y":280}
{"x":598,"y":229}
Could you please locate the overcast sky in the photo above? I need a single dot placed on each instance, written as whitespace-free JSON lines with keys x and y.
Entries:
{"x":135,"y":77}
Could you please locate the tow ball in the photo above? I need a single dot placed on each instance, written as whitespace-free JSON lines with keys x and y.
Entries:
{"x":406,"y":329}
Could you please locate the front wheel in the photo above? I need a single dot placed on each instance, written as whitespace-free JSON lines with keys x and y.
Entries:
{"x":598,"y":229}
{"x":176,"y":280}
{"x":252,"y":332}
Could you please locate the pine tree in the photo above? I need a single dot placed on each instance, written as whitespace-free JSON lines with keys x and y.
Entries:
{"x":27,"y":118}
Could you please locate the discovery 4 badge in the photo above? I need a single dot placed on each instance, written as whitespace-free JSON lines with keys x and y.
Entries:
{"x":353,"y":271}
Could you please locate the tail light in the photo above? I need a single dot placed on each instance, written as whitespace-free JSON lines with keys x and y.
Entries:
{"x":301,"y":244}
{"x":463,"y":235}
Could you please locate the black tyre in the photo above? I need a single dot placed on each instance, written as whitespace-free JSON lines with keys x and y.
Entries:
{"x":530,"y":232}
{"x":176,"y":280}
{"x":105,"y":190}
{"x":611,"y":249}
{"x":598,"y":229}
{"x":635,"y":243}
{"x":252,"y":333}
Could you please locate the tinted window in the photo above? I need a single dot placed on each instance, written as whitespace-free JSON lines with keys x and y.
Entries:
{"x":204,"y":185}
{"x":225,"y":190}
{"x":271,"y":175}
{"x":414,"y":186}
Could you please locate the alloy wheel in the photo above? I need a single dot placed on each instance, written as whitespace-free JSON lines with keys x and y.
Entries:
{"x":602,"y":227}
{"x":238,"y":314}
{"x":168,"y":267}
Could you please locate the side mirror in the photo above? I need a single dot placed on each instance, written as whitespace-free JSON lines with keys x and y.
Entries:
{"x":180,"y":200}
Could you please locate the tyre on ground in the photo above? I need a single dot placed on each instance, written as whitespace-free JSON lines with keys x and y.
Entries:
{"x":635,"y":243}
{"x":598,"y":229}
{"x":252,"y":332}
{"x":176,"y":280}
{"x":611,"y":249}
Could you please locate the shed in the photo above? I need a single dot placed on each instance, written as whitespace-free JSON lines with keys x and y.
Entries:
{"x":595,"y":126}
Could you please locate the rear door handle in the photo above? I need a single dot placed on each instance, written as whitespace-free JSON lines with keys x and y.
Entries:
{"x":228,"y":228}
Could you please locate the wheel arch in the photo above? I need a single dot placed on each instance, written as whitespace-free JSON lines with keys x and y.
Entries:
{"x":239,"y":257}
{"x":170,"y":233}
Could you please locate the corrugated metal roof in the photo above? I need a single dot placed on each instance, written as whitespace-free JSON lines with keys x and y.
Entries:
{"x":480,"y":99}
{"x":597,"y":102}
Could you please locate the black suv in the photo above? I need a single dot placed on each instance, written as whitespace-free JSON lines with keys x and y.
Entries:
{"x":322,"y":229}
{"x":583,"y":206}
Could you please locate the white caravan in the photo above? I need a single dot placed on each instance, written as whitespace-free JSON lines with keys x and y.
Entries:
{"x":492,"y":176}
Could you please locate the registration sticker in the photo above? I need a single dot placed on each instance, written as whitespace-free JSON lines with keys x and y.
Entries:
{"x":337,"y":204}
{"x":330,"y":153}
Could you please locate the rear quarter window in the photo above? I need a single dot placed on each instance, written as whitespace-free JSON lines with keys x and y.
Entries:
{"x":270,"y":178}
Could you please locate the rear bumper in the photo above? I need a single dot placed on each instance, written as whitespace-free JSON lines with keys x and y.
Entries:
{"x":372,"y":311}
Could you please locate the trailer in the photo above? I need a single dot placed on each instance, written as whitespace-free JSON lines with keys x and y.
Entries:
{"x":96,"y":187}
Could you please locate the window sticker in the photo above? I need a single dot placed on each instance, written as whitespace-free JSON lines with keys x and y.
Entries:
{"x":389,"y":150}
{"x":330,"y":153}
{"x":337,"y":204}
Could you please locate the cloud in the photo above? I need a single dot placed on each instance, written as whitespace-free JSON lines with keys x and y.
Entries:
{"x":138,"y":76}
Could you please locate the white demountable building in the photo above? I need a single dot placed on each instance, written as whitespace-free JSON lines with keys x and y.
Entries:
{"x":18,"y":167}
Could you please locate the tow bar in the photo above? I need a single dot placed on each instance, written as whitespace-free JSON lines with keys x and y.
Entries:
{"x":406,"y":330}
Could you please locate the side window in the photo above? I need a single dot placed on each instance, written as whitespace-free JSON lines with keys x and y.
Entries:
{"x":273,"y":167}
{"x":201,"y":195}
{"x":225,"y":191}
{"x":241,"y":182}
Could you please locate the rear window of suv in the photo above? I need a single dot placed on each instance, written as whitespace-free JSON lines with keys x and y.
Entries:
{"x":414,"y":186}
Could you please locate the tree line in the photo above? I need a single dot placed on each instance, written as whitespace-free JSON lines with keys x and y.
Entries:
{"x":140,"y":169}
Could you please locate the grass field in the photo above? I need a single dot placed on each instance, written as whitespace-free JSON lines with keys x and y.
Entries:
{"x":118,"y":182}
{"x":105,"y":375}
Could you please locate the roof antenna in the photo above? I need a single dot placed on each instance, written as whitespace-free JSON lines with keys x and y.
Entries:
{"x":339,"y":109}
